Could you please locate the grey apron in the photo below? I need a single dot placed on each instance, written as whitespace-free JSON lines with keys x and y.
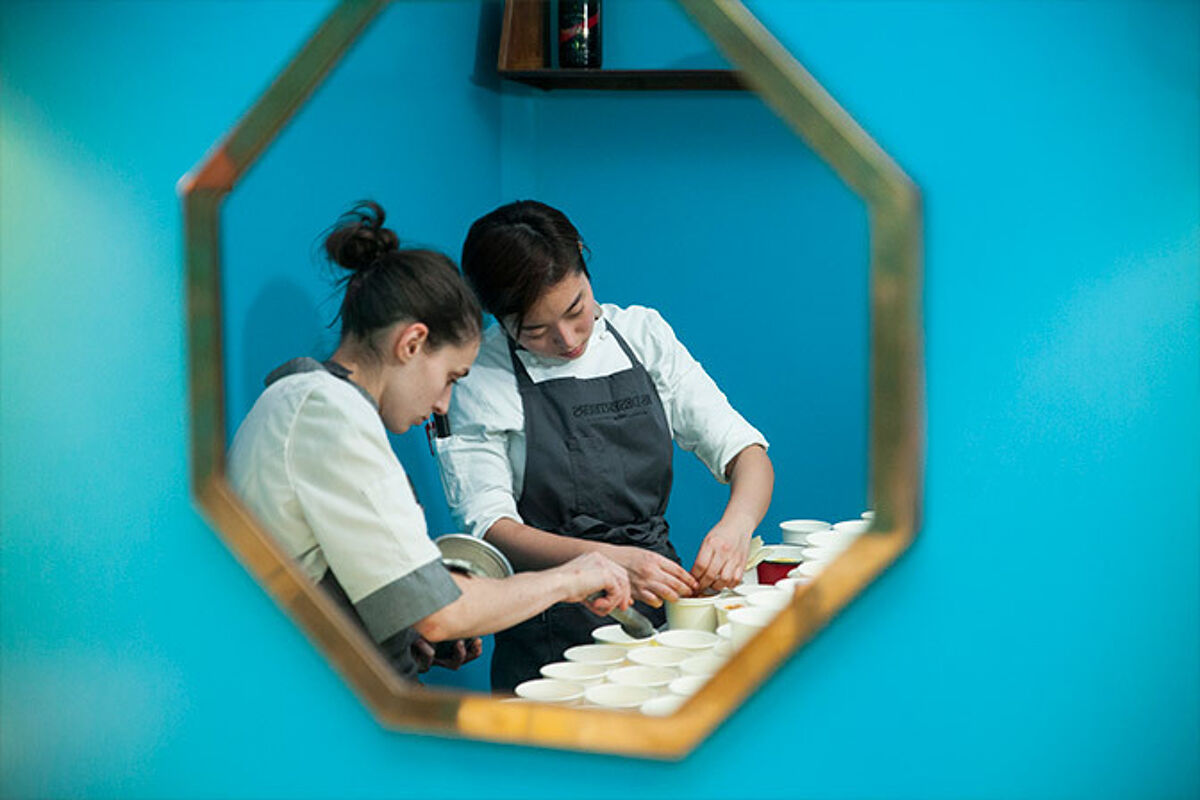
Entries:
{"x":598,"y":457}
{"x":397,"y":649}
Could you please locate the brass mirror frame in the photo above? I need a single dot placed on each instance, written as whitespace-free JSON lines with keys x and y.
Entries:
{"x":896,"y":426}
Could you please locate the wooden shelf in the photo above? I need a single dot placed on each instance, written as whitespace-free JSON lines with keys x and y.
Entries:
{"x":627,"y":79}
{"x":523,"y":35}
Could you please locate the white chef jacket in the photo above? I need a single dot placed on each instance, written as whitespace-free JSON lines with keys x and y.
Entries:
{"x":483,"y":459}
{"x":313,"y":462}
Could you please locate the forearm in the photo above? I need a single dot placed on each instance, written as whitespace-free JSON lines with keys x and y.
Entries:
{"x":751,"y":481}
{"x":487,"y":605}
{"x":532,"y":548}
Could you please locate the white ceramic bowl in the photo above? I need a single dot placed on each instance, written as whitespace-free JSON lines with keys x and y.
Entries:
{"x":723,"y":649}
{"x":852,"y":526}
{"x":550,"y":690}
{"x":659,"y":656}
{"x":613,"y":695}
{"x":692,"y":613}
{"x":663,"y":706}
{"x":655,"y":678}
{"x":688,"y":685}
{"x":746,"y":622}
{"x":724,"y":631}
{"x":797,"y":531}
{"x":609,"y":655}
{"x":790,"y":585}
{"x":687,"y":640}
{"x":701,"y":665}
{"x":576,"y":671}
{"x":613,"y":634}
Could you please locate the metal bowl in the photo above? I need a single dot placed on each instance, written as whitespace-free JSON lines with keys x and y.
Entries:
{"x":473,"y":556}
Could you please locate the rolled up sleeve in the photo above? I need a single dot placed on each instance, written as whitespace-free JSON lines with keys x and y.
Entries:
{"x":478,"y":480}
{"x":702,"y":419}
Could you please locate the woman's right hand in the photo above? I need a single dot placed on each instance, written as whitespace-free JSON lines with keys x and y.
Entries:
{"x":595,"y":574}
{"x":653,"y":578}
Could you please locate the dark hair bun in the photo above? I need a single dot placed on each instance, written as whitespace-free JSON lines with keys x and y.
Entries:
{"x":359,"y":240}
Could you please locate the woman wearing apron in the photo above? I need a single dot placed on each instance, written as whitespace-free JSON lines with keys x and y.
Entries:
{"x":312,"y":460}
{"x":561,"y":441}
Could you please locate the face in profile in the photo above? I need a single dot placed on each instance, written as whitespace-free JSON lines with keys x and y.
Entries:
{"x":421,"y":385}
{"x":560,"y":323}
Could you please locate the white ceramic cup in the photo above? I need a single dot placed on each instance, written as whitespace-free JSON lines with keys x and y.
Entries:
{"x":776,"y":600}
{"x":670,"y":657}
{"x":609,"y":655}
{"x":852,"y":526}
{"x":831,"y":540}
{"x":746,"y":622}
{"x":723,"y":605}
{"x":789,"y":585}
{"x":615,"y":695}
{"x":688,"y":685}
{"x":577,"y":672}
{"x":655,"y":678}
{"x":701,"y":665}
{"x":723,"y":649}
{"x":614,"y":634}
{"x":692,"y":613}
{"x":797,"y":531}
{"x":808,"y":570}
{"x":551,"y":690}
{"x":784,"y":552}
{"x":663,"y":706}
{"x":693,"y":641}
{"x":821,"y":553}
{"x":747,"y":589}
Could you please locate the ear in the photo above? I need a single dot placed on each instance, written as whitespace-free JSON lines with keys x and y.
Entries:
{"x":409,"y":341}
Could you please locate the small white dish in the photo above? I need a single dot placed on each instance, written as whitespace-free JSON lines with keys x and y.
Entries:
{"x":655,"y":678}
{"x":747,"y":589}
{"x":576,"y":671}
{"x":613,"y":695}
{"x":609,"y":655}
{"x":659,"y":656}
{"x":550,"y":690}
{"x":614,"y":634}
{"x":687,"y":640}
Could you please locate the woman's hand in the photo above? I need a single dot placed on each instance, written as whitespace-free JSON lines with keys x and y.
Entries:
{"x":722,"y":557}
{"x":594,"y":575}
{"x":653,"y":578}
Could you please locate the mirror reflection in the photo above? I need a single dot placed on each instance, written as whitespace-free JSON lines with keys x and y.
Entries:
{"x":648,"y":368}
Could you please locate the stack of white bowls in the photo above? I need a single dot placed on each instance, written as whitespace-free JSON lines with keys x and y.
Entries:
{"x":822,"y":542}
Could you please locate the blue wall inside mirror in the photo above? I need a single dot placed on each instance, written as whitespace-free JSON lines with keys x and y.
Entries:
{"x":1042,"y":637}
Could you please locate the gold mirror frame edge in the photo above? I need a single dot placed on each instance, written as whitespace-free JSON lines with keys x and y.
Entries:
{"x":896,"y":433}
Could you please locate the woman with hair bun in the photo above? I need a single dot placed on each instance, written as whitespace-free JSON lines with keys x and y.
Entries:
{"x":560,"y":442}
{"x":313,"y":462}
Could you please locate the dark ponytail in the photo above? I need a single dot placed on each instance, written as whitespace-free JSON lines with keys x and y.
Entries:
{"x":386,"y":284}
{"x":513,"y":254}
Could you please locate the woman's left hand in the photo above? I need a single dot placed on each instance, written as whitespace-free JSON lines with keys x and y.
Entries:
{"x":722,"y":557}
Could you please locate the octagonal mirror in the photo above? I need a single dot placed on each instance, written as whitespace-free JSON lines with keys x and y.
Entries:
{"x":745,"y":206}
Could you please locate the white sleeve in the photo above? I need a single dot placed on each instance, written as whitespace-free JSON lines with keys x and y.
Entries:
{"x":475,"y":459}
{"x":701,"y":418}
{"x":356,"y":497}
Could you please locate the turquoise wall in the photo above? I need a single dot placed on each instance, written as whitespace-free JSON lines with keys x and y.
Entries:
{"x":1041,"y":638}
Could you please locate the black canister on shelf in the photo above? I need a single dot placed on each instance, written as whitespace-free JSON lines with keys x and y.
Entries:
{"x":579,"y":34}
